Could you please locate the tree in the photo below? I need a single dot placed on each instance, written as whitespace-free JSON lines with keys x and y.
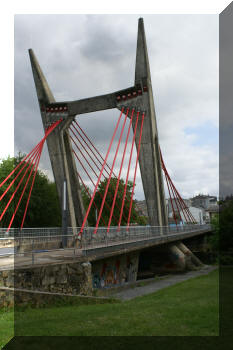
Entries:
{"x":214,"y":239}
{"x":43,"y":209}
{"x":226,"y":224}
{"x":135,"y":218}
{"x":222,"y":225}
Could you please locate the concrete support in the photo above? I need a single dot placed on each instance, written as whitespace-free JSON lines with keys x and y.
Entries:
{"x":177,"y":257}
{"x":59,"y":148}
{"x":149,"y":159}
{"x":194,"y":260}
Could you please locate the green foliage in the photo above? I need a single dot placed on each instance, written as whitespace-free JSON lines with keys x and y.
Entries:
{"x":222,"y":238}
{"x":214,"y":239}
{"x":43,"y":209}
{"x":135,"y":218}
{"x":226,"y":224}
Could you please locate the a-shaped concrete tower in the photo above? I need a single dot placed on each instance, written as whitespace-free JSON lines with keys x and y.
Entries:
{"x":139,"y":96}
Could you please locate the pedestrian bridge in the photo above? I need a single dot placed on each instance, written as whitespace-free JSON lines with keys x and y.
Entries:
{"x":43,"y":245}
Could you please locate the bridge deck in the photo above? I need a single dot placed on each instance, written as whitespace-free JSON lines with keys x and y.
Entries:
{"x":95,"y":250}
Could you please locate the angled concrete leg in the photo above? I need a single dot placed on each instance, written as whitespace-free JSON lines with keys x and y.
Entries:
{"x":60,"y":150}
{"x":195,"y":261}
{"x":177,"y":257}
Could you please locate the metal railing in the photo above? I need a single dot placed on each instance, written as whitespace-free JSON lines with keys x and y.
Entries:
{"x":89,"y":238}
{"x":41,"y":245}
{"x":57,"y":231}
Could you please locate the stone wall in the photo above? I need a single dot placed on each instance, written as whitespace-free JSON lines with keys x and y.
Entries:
{"x":73,"y":278}
{"x":115,"y":270}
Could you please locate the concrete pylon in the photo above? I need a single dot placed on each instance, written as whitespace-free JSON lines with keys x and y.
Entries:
{"x":59,"y":148}
{"x":149,"y":158}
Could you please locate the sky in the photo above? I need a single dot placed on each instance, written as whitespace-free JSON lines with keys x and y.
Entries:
{"x":88,"y":55}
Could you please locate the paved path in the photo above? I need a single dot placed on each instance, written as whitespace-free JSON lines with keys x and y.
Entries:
{"x":132,"y":293}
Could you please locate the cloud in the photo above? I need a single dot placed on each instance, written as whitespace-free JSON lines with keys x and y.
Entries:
{"x":89,"y":55}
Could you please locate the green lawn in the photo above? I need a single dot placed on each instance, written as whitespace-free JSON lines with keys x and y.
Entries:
{"x":6,"y":326}
{"x":189,"y":308}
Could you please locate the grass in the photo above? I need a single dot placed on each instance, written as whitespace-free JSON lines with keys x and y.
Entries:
{"x":6,"y":326}
{"x":189,"y":308}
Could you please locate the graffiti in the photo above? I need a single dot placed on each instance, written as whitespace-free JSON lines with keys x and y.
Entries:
{"x":114,"y":272}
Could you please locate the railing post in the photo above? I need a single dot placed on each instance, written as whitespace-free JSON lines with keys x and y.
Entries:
{"x":64,"y":215}
{"x":33,"y":260}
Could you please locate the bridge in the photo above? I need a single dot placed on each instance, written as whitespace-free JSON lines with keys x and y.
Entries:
{"x":76,"y":161}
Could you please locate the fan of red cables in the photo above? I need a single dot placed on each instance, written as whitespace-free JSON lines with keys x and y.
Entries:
{"x":177,"y":203}
{"x":93,"y":158}
{"x":22,"y":178}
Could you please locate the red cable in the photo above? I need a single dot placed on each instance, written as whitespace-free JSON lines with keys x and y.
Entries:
{"x":91,"y":179}
{"x":187,"y":211}
{"x":191,"y":217}
{"x":119,"y":175}
{"x":33,"y":154}
{"x":135,"y":171}
{"x":86,"y":151}
{"x":29,"y":176}
{"x":170,"y":183}
{"x":89,"y":195}
{"x":174,"y":197}
{"x":109,"y":148}
{"x":22,"y":161}
{"x":92,"y":145}
{"x":88,"y":164}
{"x":48,"y":132}
{"x":126,"y":181}
{"x":94,"y":153}
{"x":173,"y":210}
{"x":83,"y":167}
{"x":84,"y":156}
{"x":9,"y":186}
{"x":90,"y":149}
{"x":32,"y":184}
{"x":12,"y":196}
{"x":113,"y":164}
{"x":163,"y":167}
{"x":180,"y":200}
{"x":186,"y":214}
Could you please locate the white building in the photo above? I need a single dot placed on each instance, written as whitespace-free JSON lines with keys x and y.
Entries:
{"x":197,"y":213}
